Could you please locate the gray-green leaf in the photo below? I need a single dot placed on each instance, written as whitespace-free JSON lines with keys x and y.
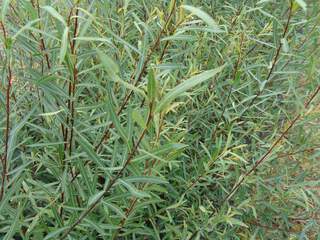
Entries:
{"x":133,"y":190}
{"x":302,"y":4}
{"x":186,"y":85}
{"x":55,"y":14}
{"x":202,"y":15}
{"x":64,"y":45}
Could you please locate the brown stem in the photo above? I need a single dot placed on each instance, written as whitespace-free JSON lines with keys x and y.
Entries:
{"x":106,"y":134}
{"x":127,"y":97}
{"x":264,"y":157}
{"x":7,"y":129}
{"x":112,"y":181}
{"x":43,"y":49}
{"x":270,"y":150}
{"x":234,"y":75}
{"x":274,"y":63}
{"x":194,"y":182}
{"x":134,"y":201}
{"x":155,"y":45}
{"x":75,"y":79}
{"x":308,"y":150}
{"x":71,"y":101}
{"x":42,"y":44}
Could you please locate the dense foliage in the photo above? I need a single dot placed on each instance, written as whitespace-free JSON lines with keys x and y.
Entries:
{"x":144,"y":119}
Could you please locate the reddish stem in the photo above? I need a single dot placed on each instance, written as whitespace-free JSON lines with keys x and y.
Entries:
{"x":7,"y":129}
{"x":112,"y":180}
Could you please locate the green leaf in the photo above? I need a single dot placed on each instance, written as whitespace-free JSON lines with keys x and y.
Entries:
{"x":302,"y":4}
{"x":14,"y":133}
{"x":95,"y":197}
{"x":114,"y":208}
{"x":285,"y":45}
{"x":115,"y":119}
{"x":137,"y":117}
{"x":55,"y":14}
{"x":202,"y":15}
{"x":54,"y":234}
{"x":151,"y":85}
{"x":4,"y":8}
{"x":88,"y":148}
{"x":234,"y":221}
{"x":27,"y":26}
{"x":93,"y":39}
{"x":113,"y":70}
{"x":145,"y":179}
{"x":87,"y":179}
{"x":165,"y":149}
{"x":111,"y":67}
{"x":14,"y":224}
{"x":134,"y":191}
{"x":186,"y":85}
{"x":64,"y":45}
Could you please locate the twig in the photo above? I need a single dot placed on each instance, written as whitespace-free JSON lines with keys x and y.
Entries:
{"x":155,"y":45}
{"x":265,"y":156}
{"x":7,"y":129}
{"x":112,"y":181}
{"x":106,"y":134}
{"x":274,"y":63}
{"x":71,"y":101}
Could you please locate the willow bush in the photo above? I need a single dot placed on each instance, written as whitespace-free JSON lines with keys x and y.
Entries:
{"x":173,"y":119}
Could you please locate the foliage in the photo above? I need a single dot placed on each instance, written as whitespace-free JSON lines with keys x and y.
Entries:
{"x":172,"y":119}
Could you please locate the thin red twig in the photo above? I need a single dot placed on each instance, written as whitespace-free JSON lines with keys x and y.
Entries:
{"x":7,"y":129}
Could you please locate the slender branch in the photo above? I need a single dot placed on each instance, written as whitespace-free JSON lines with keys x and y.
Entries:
{"x":67,"y":129}
{"x":265,"y":156}
{"x":110,"y":126}
{"x":71,"y":101}
{"x":274,"y":63}
{"x":234,"y":75}
{"x":107,"y":132}
{"x":155,"y":45}
{"x":113,"y":180}
{"x":308,"y":150}
{"x":134,"y":201}
{"x":44,"y":51}
{"x":42,"y":44}
{"x":75,"y":78}
{"x":7,"y":129}
{"x":303,"y":42}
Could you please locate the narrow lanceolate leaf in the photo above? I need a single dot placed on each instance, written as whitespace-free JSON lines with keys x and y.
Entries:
{"x":138,"y":118}
{"x":14,"y":134}
{"x":203,"y":16}
{"x":27,"y":26}
{"x":302,"y":4}
{"x":55,"y":14}
{"x":285,"y":45}
{"x":88,"y":149}
{"x":64,"y":45}
{"x":4,"y":8}
{"x":94,"y":39}
{"x":165,"y":149}
{"x":145,"y":179}
{"x":110,"y":66}
{"x":185,"y":86}
{"x":95,"y":197}
{"x":115,"y":119}
{"x":15,"y":223}
{"x":133,"y":190}
{"x":54,"y":234}
{"x":151,"y":86}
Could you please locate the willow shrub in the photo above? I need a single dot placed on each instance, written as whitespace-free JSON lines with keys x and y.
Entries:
{"x":135,"y":119}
